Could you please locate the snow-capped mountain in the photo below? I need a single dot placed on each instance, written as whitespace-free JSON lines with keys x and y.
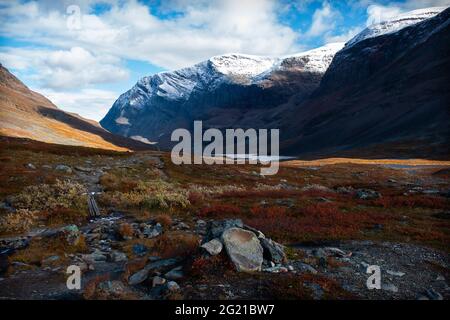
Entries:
{"x":393,"y":25}
{"x":387,"y":93}
{"x":230,"y":81}
{"x":385,"y":85}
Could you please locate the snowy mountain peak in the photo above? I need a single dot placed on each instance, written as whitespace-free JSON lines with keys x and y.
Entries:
{"x":242,"y":69}
{"x":316,"y":60}
{"x":395,"y":24}
{"x":241,"y":64}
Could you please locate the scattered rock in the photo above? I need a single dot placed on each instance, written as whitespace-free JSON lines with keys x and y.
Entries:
{"x":175,"y":274}
{"x":367,"y":194}
{"x":152,"y":231}
{"x":395,"y":273}
{"x":182,"y":226}
{"x":30,"y":166}
{"x":389,"y":287}
{"x":217,"y":228}
{"x":172,"y":286}
{"x":244,"y":249}
{"x":303,"y":267}
{"x":138,"y":277}
{"x":63,"y":168}
{"x":139,"y":249}
{"x":319,"y":253}
{"x":117,"y":256}
{"x":316,"y":290}
{"x":94,"y":257}
{"x":273,"y":251}
{"x":213,"y":247}
{"x":49,"y":260}
{"x":433,"y":295}
{"x":158,"y":281}
{"x":72,"y":234}
{"x":345,"y":190}
{"x":277,"y":269}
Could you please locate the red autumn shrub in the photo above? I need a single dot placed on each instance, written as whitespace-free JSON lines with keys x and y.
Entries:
{"x":268,"y":212}
{"x":220,"y":210}
{"x":419,"y":201}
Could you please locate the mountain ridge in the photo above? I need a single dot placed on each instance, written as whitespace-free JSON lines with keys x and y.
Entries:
{"x":27,"y":114}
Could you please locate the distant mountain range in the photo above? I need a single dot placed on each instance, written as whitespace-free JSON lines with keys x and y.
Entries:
{"x":385,"y":93}
{"x":27,"y":114}
{"x":386,"y":88}
{"x":226,"y":91}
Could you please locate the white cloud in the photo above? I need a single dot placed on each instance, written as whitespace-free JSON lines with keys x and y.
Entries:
{"x":64,"y":69}
{"x":323,"y":20}
{"x":131,"y":31}
{"x":90,"y":103}
{"x":381,"y":12}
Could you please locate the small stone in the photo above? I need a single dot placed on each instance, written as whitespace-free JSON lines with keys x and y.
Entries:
{"x":367,"y":194}
{"x":93,"y":257}
{"x":306,"y":268}
{"x":173,"y":286}
{"x":290,"y":268}
{"x":440,"y":278}
{"x":319,"y":253}
{"x":158,"y":281}
{"x":175,"y":274}
{"x":183,"y":226}
{"x":433,"y":295}
{"x":201,"y":223}
{"x":118,"y":256}
{"x":139,"y":249}
{"x":389,"y":287}
{"x":152,"y":231}
{"x":395,"y":273}
{"x":31,"y":166}
{"x":138,"y":277}
{"x":213,"y":247}
{"x":316,"y":290}
{"x":49,"y":260}
{"x":63,"y":168}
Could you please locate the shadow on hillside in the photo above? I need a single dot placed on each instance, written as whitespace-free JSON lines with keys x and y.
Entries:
{"x":84,"y":125}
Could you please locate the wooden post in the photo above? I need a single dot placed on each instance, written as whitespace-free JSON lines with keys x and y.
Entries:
{"x":94,"y":212}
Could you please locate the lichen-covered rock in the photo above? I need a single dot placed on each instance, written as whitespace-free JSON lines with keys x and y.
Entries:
{"x":244,"y":249}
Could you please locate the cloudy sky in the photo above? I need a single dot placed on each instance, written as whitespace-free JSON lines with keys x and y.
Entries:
{"x":83,"y":54}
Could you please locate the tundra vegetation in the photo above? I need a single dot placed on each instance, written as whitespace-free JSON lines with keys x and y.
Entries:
{"x":161,"y":209}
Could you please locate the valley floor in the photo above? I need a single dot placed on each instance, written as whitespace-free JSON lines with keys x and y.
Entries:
{"x":335,"y":217}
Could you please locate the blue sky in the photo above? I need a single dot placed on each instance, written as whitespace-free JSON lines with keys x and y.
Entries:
{"x":82,"y":54}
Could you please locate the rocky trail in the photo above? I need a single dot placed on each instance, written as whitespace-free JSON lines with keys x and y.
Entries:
{"x":232,"y":260}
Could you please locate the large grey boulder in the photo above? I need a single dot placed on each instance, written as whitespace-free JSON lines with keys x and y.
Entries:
{"x":244,"y":249}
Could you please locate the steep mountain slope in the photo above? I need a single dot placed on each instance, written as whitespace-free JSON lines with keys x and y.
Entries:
{"x":389,"y":91}
{"x":232,"y":90}
{"x":27,"y":114}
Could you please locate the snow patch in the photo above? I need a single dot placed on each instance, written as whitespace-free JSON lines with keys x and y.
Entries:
{"x":396,"y":24}
{"x":123,"y":121}
{"x":142,"y":139}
